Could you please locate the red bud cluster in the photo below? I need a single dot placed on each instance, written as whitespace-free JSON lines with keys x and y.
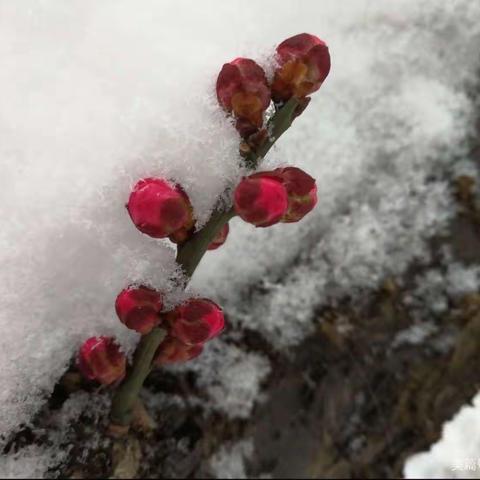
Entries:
{"x":303,"y":63}
{"x":282,"y":195}
{"x":188,"y":327}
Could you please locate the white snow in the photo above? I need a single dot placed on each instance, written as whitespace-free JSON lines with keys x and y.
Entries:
{"x":229,"y":461}
{"x":34,"y":460}
{"x":449,"y":281}
{"x":98,"y":94}
{"x":231,"y":378}
{"x":457,"y":454}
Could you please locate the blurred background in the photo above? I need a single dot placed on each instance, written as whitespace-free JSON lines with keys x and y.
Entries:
{"x":353,"y":336}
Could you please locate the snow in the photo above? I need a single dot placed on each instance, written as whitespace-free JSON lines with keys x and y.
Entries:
{"x":229,"y":461}
{"x":31,"y":462}
{"x":34,"y":460}
{"x":448,"y":282}
{"x":457,"y":454}
{"x":231,"y":378}
{"x":414,"y":335}
{"x":98,"y":94}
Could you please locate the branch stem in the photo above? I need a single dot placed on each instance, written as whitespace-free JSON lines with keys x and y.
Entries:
{"x":276,"y":127}
{"x":126,"y":395}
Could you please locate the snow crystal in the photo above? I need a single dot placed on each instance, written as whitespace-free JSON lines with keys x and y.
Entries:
{"x":98,"y":94}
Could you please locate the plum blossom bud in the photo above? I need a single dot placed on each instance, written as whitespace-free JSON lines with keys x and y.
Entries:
{"x":220,"y":238}
{"x":172,"y":350}
{"x":182,"y":235}
{"x":304,"y":63}
{"x":245,"y":128}
{"x":158,"y":208}
{"x":196,"y":321}
{"x":139,"y":308}
{"x":301,"y":190}
{"x":261,"y":199}
{"x":242,"y":89}
{"x":100,"y":359}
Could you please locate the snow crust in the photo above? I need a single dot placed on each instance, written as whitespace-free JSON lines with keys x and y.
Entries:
{"x":98,"y":94}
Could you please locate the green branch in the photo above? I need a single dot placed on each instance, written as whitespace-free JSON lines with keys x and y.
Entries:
{"x":127,"y":393}
{"x":278,"y":124}
{"x":190,"y":253}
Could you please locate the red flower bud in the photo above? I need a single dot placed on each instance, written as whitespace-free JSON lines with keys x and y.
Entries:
{"x":181,"y":235}
{"x":245,"y":128}
{"x":242,"y":89}
{"x":172,"y":350}
{"x":261,"y":199}
{"x":100,"y":359}
{"x":220,"y":238}
{"x":196,"y":321}
{"x":304,"y":63}
{"x":138,"y":308}
{"x":158,"y":208}
{"x":301,"y":191}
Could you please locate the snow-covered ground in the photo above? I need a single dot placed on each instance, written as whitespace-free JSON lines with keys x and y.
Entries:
{"x":98,"y":94}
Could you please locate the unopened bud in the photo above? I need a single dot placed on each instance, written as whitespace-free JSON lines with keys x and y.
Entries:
{"x":301,"y":191}
{"x":242,"y":89}
{"x":100,"y":359}
{"x":172,"y":350}
{"x":304,"y":63}
{"x":220,"y":238}
{"x":139,"y":308}
{"x":261,"y":199}
{"x":158,"y":208}
{"x":196,"y":321}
